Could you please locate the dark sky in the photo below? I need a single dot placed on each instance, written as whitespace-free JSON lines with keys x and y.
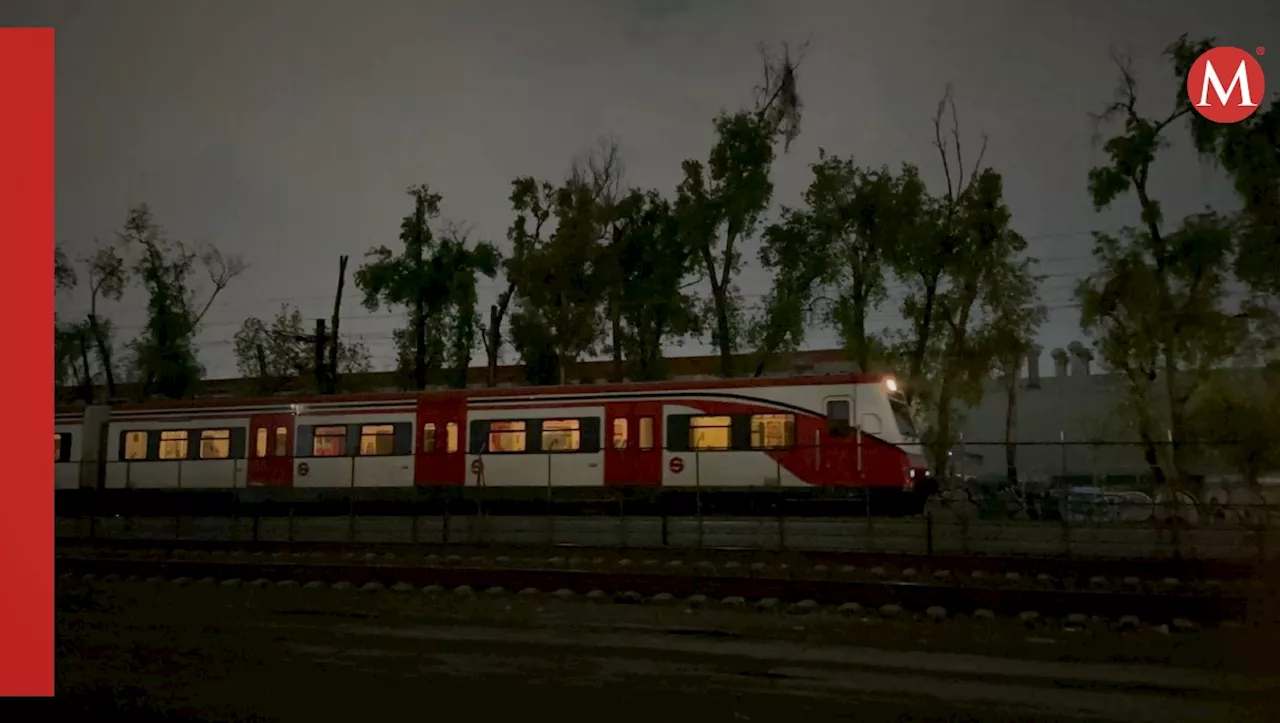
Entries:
{"x":288,"y":130}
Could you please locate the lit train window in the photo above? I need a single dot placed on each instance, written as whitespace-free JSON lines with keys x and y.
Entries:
{"x":329,"y":442}
{"x":377,"y":440}
{"x":282,"y":442}
{"x":772,"y":431}
{"x":173,"y":444}
{"x":506,"y":437}
{"x":451,"y":437}
{"x":429,"y":437}
{"x":57,"y":447}
{"x":646,"y":433}
{"x":561,"y":435}
{"x":260,"y":443}
{"x":215,"y":444}
{"x":135,"y":445}
{"x":710,"y":433}
{"x":620,"y":433}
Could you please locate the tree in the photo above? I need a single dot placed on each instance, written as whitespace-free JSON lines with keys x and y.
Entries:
{"x":838,"y":244}
{"x":559,"y":281}
{"x":1234,"y":421}
{"x":108,"y":277}
{"x":164,"y":356}
{"x":1249,"y":152}
{"x":652,"y":265}
{"x":1016,"y":315}
{"x":719,"y":203}
{"x":281,"y":354}
{"x":1157,"y":306}
{"x":433,"y":278}
{"x":956,"y":261}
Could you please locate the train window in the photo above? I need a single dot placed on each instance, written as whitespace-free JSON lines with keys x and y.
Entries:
{"x":561,"y":435}
{"x":57,"y":447}
{"x":377,"y":440}
{"x":710,"y":433}
{"x":871,"y":423}
{"x":451,"y":437}
{"x":429,"y":437}
{"x":215,"y":444}
{"x":329,"y":442}
{"x":506,"y":437}
{"x":838,"y":415}
{"x":173,"y":444}
{"x":620,"y":433}
{"x":282,"y":442}
{"x":135,"y":445}
{"x":260,"y":443}
{"x":772,"y":431}
{"x":646,"y":433}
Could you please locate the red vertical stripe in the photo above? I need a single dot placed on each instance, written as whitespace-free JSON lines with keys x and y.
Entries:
{"x":26,"y":297}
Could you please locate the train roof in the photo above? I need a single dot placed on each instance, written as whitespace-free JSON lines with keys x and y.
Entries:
{"x":503,"y":392}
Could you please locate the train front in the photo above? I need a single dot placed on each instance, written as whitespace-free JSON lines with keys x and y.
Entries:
{"x":907,"y":438}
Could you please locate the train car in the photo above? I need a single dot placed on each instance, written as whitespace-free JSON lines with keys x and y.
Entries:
{"x":828,"y":431}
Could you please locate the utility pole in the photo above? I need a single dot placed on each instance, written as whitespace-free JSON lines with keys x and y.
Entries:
{"x":337,"y":310}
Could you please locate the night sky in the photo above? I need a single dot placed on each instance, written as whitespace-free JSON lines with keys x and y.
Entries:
{"x":287,"y":131}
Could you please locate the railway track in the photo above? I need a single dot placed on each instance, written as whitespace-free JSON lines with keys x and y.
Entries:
{"x":1134,"y":575}
{"x":702,"y":585}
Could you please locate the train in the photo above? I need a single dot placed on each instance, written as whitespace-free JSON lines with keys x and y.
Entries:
{"x":826,"y":432}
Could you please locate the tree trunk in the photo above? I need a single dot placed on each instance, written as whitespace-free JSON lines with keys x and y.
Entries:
{"x":720,"y":297}
{"x":862,"y":350}
{"x":1011,"y":425}
{"x":104,"y":355}
{"x":615,"y":320}
{"x":87,"y":384}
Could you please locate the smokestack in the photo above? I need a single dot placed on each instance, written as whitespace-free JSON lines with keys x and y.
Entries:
{"x":1080,"y":358}
{"x":1033,"y":366}
{"x":1060,"y":360}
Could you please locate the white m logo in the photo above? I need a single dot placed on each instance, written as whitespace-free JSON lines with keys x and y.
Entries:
{"x":1241,"y":78}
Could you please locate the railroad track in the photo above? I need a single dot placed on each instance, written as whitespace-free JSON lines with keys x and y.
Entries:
{"x":1181,"y":607}
{"x":984,"y":571}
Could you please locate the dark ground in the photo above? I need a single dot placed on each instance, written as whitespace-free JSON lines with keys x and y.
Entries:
{"x":150,"y":652}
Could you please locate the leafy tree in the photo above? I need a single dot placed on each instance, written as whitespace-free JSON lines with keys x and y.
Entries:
{"x":1157,"y":307}
{"x":108,"y":277}
{"x":1234,"y":421}
{"x":1016,"y":315}
{"x":838,"y":244}
{"x":280,"y":354}
{"x":957,"y":260}
{"x":653,"y":264}
{"x":67,"y":336}
{"x":164,"y":358}
{"x":719,"y":203}
{"x":559,"y":284}
{"x":1249,"y":152}
{"x":435,"y":279}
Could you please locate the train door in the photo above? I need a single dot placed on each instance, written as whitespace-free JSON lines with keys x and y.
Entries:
{"x":270,"y":450}
{"x":633,"y":444}
{"x":440,"y":451}
{"x":838,"y":447}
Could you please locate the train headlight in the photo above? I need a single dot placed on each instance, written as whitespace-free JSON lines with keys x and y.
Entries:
{"x":891,"y":384}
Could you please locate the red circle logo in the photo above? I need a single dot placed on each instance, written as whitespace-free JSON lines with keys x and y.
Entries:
{"x":676,"y":465}
{"x":477,"y":467}
{"x":1226,"y":85}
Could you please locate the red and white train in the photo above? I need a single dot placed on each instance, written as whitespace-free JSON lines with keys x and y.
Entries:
{"x":824,"y":431}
